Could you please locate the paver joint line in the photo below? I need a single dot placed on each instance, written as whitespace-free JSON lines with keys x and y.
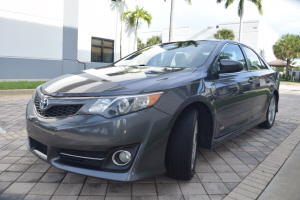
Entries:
{"x":258,"y":176}
{"x":241,"y":167}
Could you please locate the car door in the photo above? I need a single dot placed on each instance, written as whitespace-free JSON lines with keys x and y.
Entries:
{"x":263,"y":82}
{"x":233,"y":94}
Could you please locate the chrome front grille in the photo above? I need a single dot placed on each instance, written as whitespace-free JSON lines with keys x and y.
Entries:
{"x":57,"y":110}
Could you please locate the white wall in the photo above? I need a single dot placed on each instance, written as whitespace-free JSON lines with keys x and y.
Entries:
{"x":249,"y":34}
{"x":256,"y":34}
{"x":180,"y":34}
{"x":97,"y":18}
{"x":267,"y":37}
{"x":206,"y":34}
{"x":31,"y":28}
{"x":43,"y":39}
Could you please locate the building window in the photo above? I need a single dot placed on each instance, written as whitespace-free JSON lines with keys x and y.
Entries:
{"x":102,"y":50}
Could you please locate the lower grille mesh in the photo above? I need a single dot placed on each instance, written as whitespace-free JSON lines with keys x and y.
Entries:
{"x":38,"y":146}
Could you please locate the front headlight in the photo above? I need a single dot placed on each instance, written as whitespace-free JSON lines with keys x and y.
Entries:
{"x":114,"y":106}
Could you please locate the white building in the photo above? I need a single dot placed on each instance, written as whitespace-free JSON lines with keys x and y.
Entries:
{"x":256,"y":34}
{"x":43,"y":39}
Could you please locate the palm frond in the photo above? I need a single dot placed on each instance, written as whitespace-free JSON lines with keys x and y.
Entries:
{"x":258,"y":5}
{"x":241,"y":8}
{"x":146,"y":16}
{"x":189,"y":2}
{"x":140,"y":44}
{"x":153,"y":40}
{"x":125,"y":14}
{"x":287,"y":47}
{"x":228,"y":3}
{"x":132,"y":17}
{"x":224,"y":34}
{"x":129,"y":18}
{"x":184,"y":44}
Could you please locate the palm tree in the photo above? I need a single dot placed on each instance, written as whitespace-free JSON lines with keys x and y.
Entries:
{"x":119,"y":5}
{"x":153,"y":40}
{"x":287,"y":48}
{"x":132,"y":18}
{"x":241,"y":11}
{"x":140,"y":44}
{"x":224,"y":34}
{"x":172,"y":19}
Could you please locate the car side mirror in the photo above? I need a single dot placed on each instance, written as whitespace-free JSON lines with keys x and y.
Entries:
{"x":230,"y":66}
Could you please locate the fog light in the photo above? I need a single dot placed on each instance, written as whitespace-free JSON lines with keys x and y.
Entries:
{"x":121,"y":157}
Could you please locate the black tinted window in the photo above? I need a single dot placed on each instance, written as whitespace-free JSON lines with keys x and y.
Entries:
{"x":255,"y":63}
{"x":233,"y":52}
{"x":102,"y":50}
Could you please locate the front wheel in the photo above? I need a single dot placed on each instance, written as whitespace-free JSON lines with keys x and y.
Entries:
{"x":182,"y":146}
{"x":271,"y":114}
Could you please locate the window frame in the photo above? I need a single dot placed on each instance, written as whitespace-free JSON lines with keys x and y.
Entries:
{"x":102,"y":46}
{"x":258,"y":56}
{"x":245,"y":57}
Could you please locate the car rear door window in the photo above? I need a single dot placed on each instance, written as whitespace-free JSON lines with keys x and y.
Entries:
{"x":255,"y":62}
{"x":233,"y":52}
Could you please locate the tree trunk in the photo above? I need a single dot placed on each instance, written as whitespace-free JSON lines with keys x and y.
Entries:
{"x":120,"y":11}
{"x":172,"y":21}
{"x":135,"y":36}
{"x":121,"y":29}
{"x":241,"y":27}
{"x":287,"y":70}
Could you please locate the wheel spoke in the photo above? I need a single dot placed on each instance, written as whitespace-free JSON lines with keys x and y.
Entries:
{"x":194,"y":148}
{"x":272,"y":110}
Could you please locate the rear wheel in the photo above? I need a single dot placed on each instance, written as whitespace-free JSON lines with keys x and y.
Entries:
{"x":271,"y":114}
{"x":182,"y":146}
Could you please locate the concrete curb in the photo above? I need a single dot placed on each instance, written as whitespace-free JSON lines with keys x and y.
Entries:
{"x":16,"y":92}
{"x":256,"y":182}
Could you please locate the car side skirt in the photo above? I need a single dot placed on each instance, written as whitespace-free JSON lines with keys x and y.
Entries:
{"x":233,"y":134}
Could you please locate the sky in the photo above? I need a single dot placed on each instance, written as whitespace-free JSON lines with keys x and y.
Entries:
{"x":281,"y":15}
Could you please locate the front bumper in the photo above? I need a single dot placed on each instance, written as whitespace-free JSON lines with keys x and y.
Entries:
{"x":145,"y":131}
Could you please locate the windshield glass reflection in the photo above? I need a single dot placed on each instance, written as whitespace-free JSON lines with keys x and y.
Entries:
{"x":188,"y":54}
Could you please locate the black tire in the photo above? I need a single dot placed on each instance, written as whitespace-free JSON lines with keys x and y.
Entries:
{"x":269,"y":121}
{"x":179,"y":153}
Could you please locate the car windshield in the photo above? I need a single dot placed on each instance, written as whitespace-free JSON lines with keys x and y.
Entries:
{"x":188,"y":54}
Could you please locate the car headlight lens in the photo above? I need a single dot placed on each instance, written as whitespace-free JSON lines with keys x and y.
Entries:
{"x":114,"y":106}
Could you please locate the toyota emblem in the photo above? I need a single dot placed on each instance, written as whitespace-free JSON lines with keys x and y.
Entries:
{"x":43,"y":104}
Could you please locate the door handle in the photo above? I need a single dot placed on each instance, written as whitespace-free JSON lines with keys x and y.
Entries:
{"x":250,"y":80}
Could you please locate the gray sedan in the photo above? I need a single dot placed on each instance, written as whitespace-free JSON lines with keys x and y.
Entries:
{"x":146,"y":114}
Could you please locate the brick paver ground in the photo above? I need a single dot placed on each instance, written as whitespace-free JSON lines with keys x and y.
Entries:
{"x":218,"y":171}
{"x":12,"y":114}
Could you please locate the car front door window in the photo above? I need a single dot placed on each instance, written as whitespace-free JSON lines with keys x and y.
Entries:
{"x":233,"y":52}
{"x":255,"y":62}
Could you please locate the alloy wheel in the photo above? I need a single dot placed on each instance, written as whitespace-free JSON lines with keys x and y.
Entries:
{"x":194,"y":150}
{"x":272,"y":111}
